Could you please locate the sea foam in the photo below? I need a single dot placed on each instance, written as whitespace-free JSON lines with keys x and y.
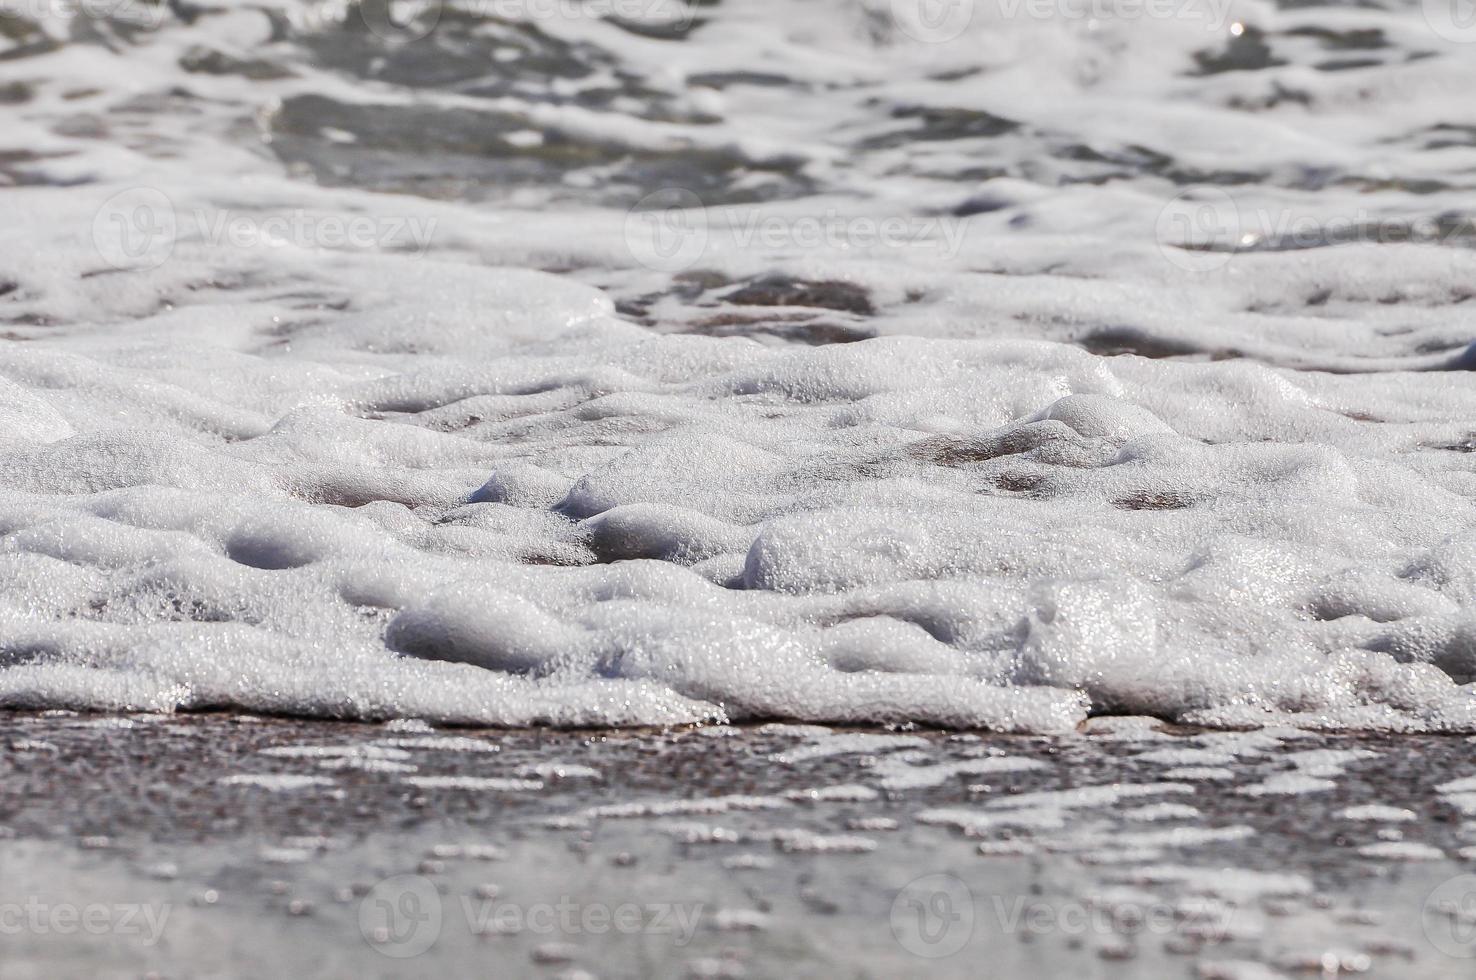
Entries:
{"x":496,"y":465}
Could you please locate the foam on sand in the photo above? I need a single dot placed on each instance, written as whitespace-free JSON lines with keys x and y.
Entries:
{"x":490,"y":467}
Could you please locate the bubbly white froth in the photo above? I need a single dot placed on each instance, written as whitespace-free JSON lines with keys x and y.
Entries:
{"x":426,"y":477}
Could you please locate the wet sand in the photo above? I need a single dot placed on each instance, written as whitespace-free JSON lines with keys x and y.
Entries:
{"x":217,"y":845}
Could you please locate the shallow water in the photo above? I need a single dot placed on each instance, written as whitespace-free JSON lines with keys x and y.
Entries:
{"x":979,"y":365}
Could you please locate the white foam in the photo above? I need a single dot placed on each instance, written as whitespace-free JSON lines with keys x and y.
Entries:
{"x":707,"y":805}
{"x":1150,"y":842}
{"x":323,"y":752}
{"x":843,"y":793}
{"x":974,"y":823}
{"x":420,"y":477}
{"x":1288,"y":784}
{"x":439,"y":743}
{"x":1402,"y":851}
{"x":848,"y":744}
{"x":473,"y":852}
{"x":899,"y":772}
{"x":1087,"y":797}
{"x":809,"y":842}
{"x":558,"y":770}
{"x":1200,"y":773}
{"x":739,"y":920}
{"x":1154,"y":812}
{"x":1239,"y":885}
{"x":1376,"y":812}
{"x":496,"y":784}
{"x":1236,"y":970}
{"x":277,"y":782}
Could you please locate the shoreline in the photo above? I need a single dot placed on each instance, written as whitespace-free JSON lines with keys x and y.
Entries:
{"x":791,"y":850}
{"x":1094,"y":724}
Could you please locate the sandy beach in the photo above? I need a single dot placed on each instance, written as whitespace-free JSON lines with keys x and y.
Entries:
{"x":220,"y":845}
